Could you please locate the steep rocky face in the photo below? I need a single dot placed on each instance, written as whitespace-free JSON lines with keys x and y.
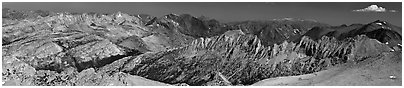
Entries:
{"x":55,"y":43}
{"x":276,"y":31}
{"x":173,"y":30}
{"x":203,"y":61}
{"x":82,"y":41}
{"x":241,"y":59}
{"x":380,"y":30}
{"x":146,"y":19}
{"x":387,"y":36}
{"x":192,"y":26}
{"x":97,"y":49}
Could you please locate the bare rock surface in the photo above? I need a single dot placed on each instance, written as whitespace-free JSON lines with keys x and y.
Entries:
{"x":371,"y":72}
{"x":88,"y":49}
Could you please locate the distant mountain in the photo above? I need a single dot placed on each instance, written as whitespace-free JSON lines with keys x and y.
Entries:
{"x":47,"y":48}
{"x":294,"y":19}
{"x":380,"y":30}
{"x":193,"y":26}
{"x":277,"y":31}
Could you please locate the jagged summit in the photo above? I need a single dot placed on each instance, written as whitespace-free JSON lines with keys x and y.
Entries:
{"x":275,"y":32}
{"x":386,"y":25}
{"x":121,"y":49}
{"x":380,"y":30}
{"x":379,"y":22}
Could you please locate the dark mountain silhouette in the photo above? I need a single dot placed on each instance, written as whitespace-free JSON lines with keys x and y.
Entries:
{"x":380,"y":30}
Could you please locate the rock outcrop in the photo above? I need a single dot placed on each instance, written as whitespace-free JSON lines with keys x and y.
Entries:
{"x":51,"y":43}
{"x":120,"y":49}
{"x":57,"y":42}
{"x":276,"y":31}
{"x":379,"y":30}
{"x":241,"y":59}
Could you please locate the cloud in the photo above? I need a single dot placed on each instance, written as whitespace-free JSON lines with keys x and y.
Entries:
{"x":374,"y":8}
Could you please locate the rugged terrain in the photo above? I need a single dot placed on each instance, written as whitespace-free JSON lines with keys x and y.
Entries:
{"x":46,"y":48}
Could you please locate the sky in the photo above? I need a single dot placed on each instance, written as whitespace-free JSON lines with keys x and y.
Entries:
{"x":333,"y":13}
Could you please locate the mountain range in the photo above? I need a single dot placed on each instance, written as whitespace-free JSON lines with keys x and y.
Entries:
{"x":49,"y":48}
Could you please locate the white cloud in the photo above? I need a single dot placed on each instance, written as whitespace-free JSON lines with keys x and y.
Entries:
{"x":374,"y":8}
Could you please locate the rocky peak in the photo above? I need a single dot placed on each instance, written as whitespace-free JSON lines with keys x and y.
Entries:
{"x":95,"y":49}
{"x":379,"y":22}
{"x":172,"y":16}
{"x":275,"y":32}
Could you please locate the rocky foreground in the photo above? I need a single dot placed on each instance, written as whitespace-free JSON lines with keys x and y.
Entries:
{"x":384,"y":70}
{"x":54,"y":49}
